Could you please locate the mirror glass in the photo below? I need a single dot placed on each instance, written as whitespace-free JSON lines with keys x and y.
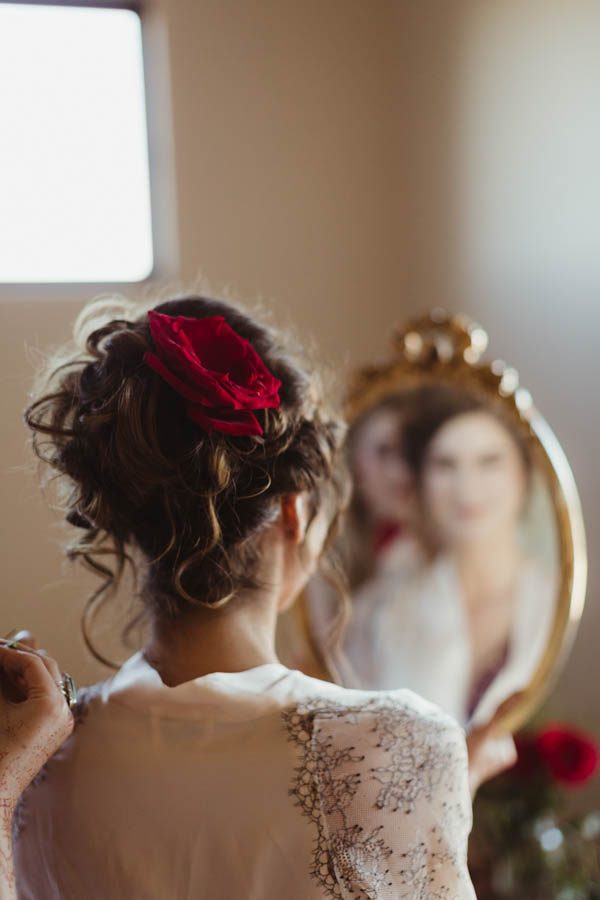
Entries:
{"x":453,"y":554}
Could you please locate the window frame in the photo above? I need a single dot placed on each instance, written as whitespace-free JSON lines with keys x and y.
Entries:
{"x":160,"y":150}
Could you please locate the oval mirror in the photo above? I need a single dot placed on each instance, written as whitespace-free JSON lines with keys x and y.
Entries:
{"x":462,"y":553}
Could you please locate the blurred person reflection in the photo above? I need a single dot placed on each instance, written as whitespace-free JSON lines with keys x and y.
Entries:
{"x":472,"y":624}
{"x":379,"y":541}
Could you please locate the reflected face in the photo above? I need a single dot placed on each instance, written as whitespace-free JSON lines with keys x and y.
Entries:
{"x":381,"y":475}
{"x":474,"y":480}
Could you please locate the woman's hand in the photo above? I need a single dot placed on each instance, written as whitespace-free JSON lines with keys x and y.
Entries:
{"x":34,"y":718}
{"x":491,"y":750}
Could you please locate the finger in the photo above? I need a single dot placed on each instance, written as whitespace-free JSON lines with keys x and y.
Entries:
{"x":26,"y":648}
{"x":505,"y":751}
{"x":50,"y":664}
{"x":53,"y":668}
{"x":508,"y":705}
{"x":502,"y":755}
{"x":29,"y":669}
{"x":493,"y":757}
{"x":13,"y":644}
{"x":496,"y":724}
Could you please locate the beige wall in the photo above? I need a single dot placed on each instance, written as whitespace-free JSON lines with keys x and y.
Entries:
{"x":283,"y":151}
{"x":324,"y":154}
{"x":500,"y":132}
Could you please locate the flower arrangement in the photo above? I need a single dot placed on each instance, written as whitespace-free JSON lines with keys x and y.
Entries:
{"x":525,"y":845}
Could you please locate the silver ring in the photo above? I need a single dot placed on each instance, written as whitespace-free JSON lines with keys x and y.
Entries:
{"x":69,"y":690}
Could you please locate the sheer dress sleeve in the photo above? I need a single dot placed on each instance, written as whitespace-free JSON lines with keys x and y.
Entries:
{"x":386,"y":786}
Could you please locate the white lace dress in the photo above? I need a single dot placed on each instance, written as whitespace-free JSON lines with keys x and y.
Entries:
{"x":257,"y":785}
{"x":402,"y":625}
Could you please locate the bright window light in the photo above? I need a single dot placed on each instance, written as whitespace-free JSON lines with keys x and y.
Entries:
{"x":74,"y":179}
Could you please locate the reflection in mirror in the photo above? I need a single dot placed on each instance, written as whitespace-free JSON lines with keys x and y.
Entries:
{"x":453,"y":590}
{"x":453,"y":551}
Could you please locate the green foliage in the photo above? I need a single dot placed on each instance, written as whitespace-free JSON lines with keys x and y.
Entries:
{"x":524,"y":847}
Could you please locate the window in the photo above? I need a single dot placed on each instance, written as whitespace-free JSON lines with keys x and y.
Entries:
{"x":74,"y":175}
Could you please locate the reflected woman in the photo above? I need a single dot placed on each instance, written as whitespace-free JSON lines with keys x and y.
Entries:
{"x":380,"y":524}
{"x":193,"y":440}
{"x":378,"y":541}
{"x":472,"y":625}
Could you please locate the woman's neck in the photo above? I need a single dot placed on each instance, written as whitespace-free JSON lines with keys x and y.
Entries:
{"x":202,"y":641}
{"x":490,"y":563}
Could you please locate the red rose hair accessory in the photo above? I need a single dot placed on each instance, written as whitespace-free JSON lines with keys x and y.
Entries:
{"x":218,"y":373}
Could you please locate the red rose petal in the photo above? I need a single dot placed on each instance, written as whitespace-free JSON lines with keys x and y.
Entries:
{"x":571,"y":756}
{"x":216,"y":370}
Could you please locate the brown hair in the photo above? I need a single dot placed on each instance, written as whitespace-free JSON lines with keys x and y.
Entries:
{"x":356,"y":549}
{"x":436,"y":404}
{"x":139,"y":477}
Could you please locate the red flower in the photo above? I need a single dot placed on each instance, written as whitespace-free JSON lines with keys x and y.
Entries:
{"x":220,"y":375}
{"x":571,"y":757}
{"x":565,"y":754}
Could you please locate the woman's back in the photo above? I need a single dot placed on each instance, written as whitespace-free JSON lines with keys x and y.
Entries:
{"x":258,"y":784}
{"x":188,"y":440}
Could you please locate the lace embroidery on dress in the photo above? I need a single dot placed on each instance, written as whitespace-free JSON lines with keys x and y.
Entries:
{"x":80,"y":711}
{"x":361,"y":846}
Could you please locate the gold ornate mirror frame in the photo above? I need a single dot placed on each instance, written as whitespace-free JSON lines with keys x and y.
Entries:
{"x":438,"y":348}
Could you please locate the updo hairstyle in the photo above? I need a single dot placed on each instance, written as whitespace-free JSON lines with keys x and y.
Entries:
{"x":145,"y":483}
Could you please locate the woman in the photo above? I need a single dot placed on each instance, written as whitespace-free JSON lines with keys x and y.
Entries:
{"x":191,"y":441}
{"x":378,"y":543}
{"x":34,"y":722}
{"x":380,"y":528}
{"x":482,"y":607}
